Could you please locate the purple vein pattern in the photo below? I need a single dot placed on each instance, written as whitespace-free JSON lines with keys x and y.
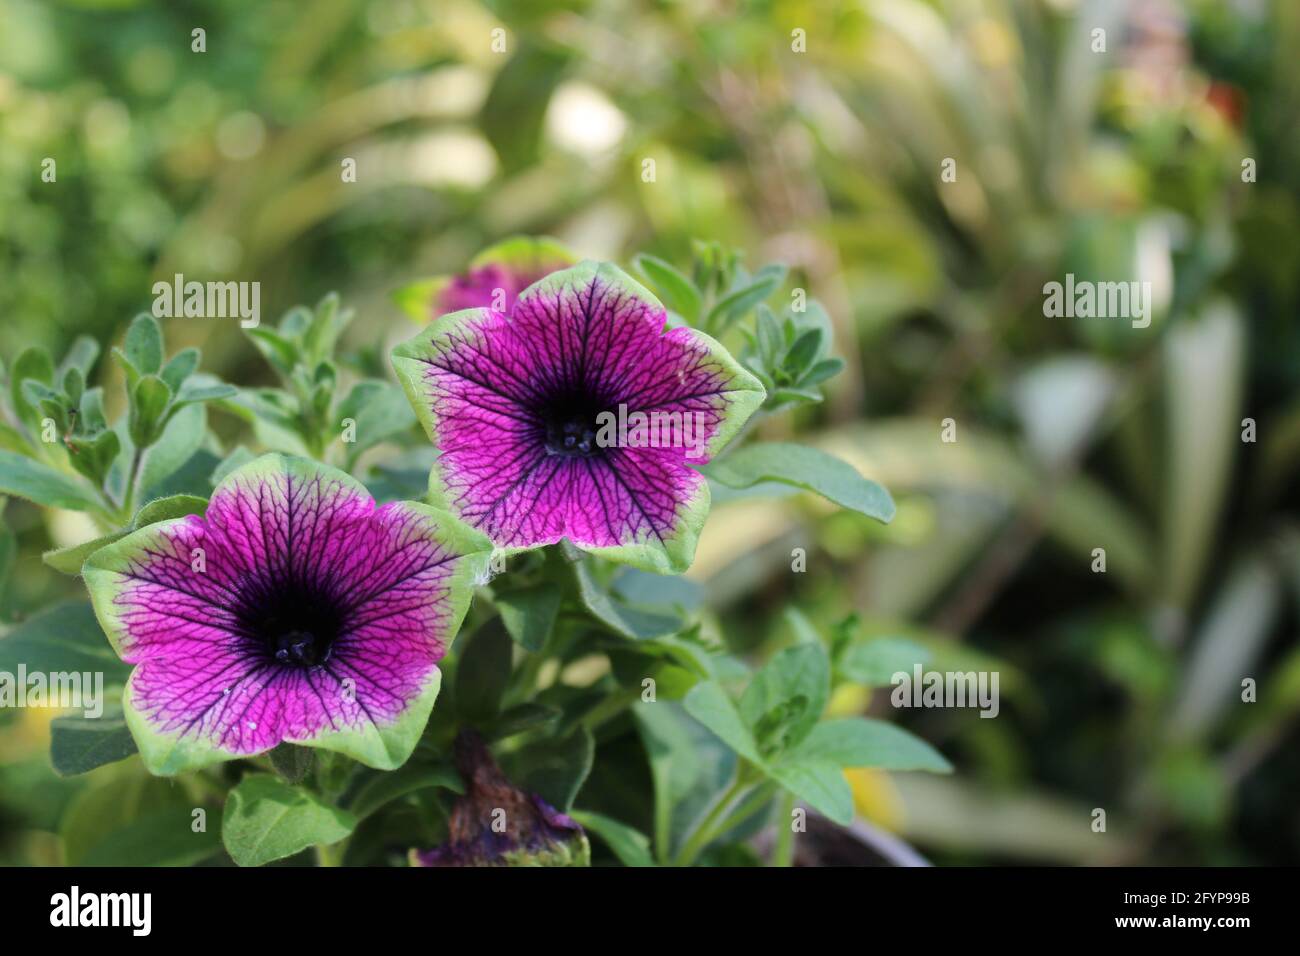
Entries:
{"x":295,"y":610}
{"x":513,"y":402}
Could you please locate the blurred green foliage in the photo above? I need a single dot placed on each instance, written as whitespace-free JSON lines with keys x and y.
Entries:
{"x":1122,"y":690}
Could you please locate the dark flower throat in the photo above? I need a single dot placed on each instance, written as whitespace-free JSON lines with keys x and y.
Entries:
{"x":570,"y":427}
{"x":292,"y":625}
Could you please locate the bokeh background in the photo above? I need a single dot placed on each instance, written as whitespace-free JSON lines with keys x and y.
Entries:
{"x":1120,"y":690}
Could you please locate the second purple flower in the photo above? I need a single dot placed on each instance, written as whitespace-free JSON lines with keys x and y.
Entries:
{"x":577,"y":416}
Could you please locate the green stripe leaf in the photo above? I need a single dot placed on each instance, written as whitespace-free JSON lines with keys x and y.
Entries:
{"x":806,"y":468}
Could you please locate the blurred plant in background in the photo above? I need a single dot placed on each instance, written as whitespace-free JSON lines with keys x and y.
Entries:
{"x":1123,"y":689}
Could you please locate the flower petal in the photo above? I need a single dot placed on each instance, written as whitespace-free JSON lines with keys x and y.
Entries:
{"x":481,"y":381}
{"x":180,"y":599}
{"x":597,"y":325}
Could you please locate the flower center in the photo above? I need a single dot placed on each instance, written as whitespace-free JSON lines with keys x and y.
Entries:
{"x":290,"y":624}
{"x":571,"y":439}
{"x":571,"y":429}
{"x":301,"y":648}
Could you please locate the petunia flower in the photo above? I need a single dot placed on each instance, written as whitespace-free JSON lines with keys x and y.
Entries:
{"x":494,"y":279}
{"x":577,"y":416}
{"x":293,"y":610}
{"x":496,"y":824}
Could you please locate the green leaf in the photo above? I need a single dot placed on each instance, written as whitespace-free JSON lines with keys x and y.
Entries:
{"x":11,"y":439}
{"x":180,"y":367}
{"x":293,"y":324}
{"x":143,"y":347}
{"x":786,"y":698}
{"x":640,"y":587}
{"x":8,"y":554}
{"x":1202,"y":413}
{"x":266,"y":819}
{"x":149,"y":400}
{"x":383,"y":788}
{"x":823,"y":370}
{"x":92,"y":410}
{"x":180,"y":439}
{"x":274,"y":416}
{"x":50,"y":402}
{"x":1228,"y":644}
{"x":768,"y":338}
{"x":165,"y":837}
{"x":378,"y":409}
{"x":738,"y":303}
{"x":803,"y":629}
{"x":32,"y":364}
{"x":525,"y":716}
{"x":690,"y":765}
{"x":237,"y":458}
{"x":165,"y":509}
{"x":79,"y":744}
{"x":110,"y":803}
{"x":874,"y":662}
{"x":821,"y":785}
{"x":676,"y":291}
{"x":709,"y":704}
{"x":630,"y":622}
{"x":779,"y":398}
{"x":94,"y":457}
{"x":631,"y":846}
{"x":556,"y":769}
{"x":74,"y":386}
{"x":529,"y":613}
{"x":281,"y":352}
{"x":129,"y":370}
{"x":292,"y":762}
{"x":195,"y":393}
{"x":327,"y":322}
{"x":30,"y":479}
{"x":192,"y":478}
{"x":803,"y":353}
{"x":81,"y":355}
{"x":514,"y":112}
{"x":483,"y":672}
{"x":861,"y":742}
{"x":806,"y":468}
{"x":70,"y":560}
{"x":65,"y":638}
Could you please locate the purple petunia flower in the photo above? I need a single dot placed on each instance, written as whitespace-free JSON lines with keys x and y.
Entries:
{"x":497,"y":824}
{"x":294,"y":610}
{"x":577,"y":416}
{"x":494,"y":279}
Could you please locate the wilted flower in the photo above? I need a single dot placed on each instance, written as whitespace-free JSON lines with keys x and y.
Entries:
{"x":577,"y":416}
{"x":496,"y":824}
{"x":295,"y":610}
{"x":494,"y":279}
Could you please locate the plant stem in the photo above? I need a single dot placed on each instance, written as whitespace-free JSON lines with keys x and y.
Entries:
{"x":331,"y":854}
{"x":707,"y":829}
{"x":128,"y":495}
{"x":783,"y":852}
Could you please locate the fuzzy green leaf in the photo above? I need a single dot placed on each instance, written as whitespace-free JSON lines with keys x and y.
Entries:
{"x":266,"y":819}
{"x":806,"y":468}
